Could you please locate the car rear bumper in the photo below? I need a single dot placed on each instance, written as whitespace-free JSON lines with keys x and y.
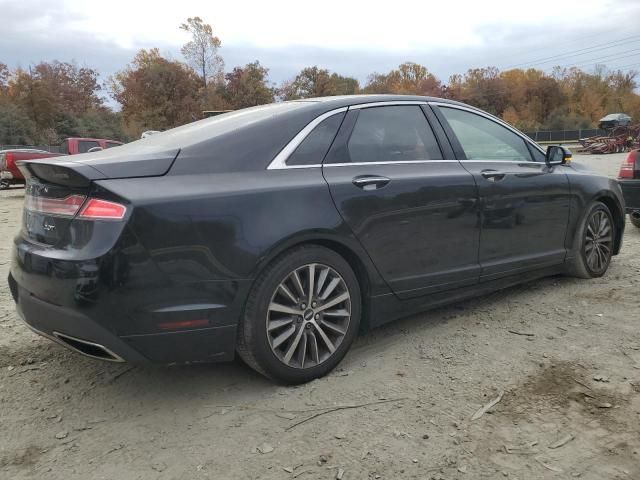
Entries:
{"x":79,"y":332}
{"x":631,"y":192}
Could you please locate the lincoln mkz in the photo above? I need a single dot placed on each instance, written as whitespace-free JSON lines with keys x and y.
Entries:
{"x":278,"y":232}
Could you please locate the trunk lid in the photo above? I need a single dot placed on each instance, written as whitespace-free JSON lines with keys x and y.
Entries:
{"x":57,"y":188}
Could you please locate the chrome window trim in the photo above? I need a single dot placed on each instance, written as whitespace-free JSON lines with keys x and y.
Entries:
{"x":503,"y":161}
{"x":389,"y":162}
{"x":280,"y":160}
{"x":495,"y":119}
{"x":388,"y":103}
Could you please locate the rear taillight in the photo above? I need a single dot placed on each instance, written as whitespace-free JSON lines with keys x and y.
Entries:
{"x":62,"y":207}
{"x":96,"y":209}
{"x":629,"y":165}
{"x":91,"y":209}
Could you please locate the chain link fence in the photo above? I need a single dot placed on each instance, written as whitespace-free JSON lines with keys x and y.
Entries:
{"x":564,"y":135}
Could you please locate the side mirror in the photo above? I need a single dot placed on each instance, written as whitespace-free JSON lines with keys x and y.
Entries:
{"x":557,"y":155}
{"x":94,"y":149}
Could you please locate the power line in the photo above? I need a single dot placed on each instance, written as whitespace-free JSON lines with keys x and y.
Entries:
{"x":593,"y":61}
{"x":587,"y":50}
{"x":565,"y":44}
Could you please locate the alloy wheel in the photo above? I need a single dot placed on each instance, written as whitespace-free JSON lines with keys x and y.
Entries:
{"x":598,"y":241}
{"x":308,"y":316}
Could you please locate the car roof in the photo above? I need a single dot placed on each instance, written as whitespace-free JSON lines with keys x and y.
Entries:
{"x":615,"y":116}
{"x":346,"y":100}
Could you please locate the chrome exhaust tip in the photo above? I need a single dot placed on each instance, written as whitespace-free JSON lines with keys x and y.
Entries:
{"x":86,"y":348}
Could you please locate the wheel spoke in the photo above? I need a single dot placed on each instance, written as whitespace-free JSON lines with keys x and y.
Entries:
{"x":276,"y":324}
{"x":590,"y":258}
{"x":302,"y":353}
{"x":330,"y":288}
{"x":336,"y":313}
{"x":276,"y":307}
{"x":313,"y":347}
{"x":339,"y":299}
{"x":333,"y":327}
{"x":293,"y":346}
{"x":283,"y":336}
{"x":321,"y":279}
{"x":297,"y":283}
{"x":312,"y":280}
{"x":324,"y":338}
{"x":283,"y":288}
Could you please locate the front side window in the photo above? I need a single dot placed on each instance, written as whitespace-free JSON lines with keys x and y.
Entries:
{"x":484,"y":139}
{"x":314,"y":147}
{"x":392,"y":134}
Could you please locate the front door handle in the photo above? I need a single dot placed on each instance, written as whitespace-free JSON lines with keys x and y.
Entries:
{"x":370,"y":182}
{"x":493,"y":175}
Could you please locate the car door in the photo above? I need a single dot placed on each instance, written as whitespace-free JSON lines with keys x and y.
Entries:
{"x":524,"y":203}
{"x":414,"y":212}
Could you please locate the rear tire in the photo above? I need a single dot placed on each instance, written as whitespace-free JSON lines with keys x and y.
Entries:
{"x":593,"y":243}
{"x":291,"y":335}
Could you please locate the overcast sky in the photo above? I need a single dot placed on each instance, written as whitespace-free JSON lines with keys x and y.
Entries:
{"x":351,"y":37}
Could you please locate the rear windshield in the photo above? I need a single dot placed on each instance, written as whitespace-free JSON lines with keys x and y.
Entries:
{"x":85,"y":145}
{"x":209,"y":128}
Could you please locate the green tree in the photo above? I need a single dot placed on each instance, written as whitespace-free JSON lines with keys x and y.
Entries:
{"x":16,"y":128}
{"x":247,"y":86}
{"x":317,"y":82}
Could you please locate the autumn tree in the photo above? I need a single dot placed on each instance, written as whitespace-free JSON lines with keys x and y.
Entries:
{"x":408,"y":79}
{"x":156,"y":93}
{"x":317,"y":82}
{"x":201,"y":51}
{"x":247,"y":86}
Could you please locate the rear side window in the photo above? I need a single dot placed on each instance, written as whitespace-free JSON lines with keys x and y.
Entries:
{"x":85,"y":145}
{"x":484,"y":139}
{"x":314,"y":147}
{"x":392,"y":134}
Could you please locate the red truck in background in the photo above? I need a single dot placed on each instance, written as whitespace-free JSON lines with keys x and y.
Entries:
{"x":72,"y":146}
{"x":11,"y":175}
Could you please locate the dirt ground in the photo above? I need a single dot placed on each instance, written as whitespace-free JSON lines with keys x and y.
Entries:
{"x":561,"y":355}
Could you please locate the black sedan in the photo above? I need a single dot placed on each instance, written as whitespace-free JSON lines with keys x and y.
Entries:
{"x":280,"y":231}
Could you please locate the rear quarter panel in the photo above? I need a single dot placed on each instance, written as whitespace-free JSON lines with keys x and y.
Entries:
{"x":229,"y":226}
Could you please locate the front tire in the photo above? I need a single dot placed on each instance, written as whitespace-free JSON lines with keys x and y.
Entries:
{"x":635,"y":221}
{"x":301,"y":316}
{"x":593,"y":243}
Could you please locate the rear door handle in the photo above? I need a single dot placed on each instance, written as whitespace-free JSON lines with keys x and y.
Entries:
{"x":370,"y":182}
{"x":493,"y":175}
